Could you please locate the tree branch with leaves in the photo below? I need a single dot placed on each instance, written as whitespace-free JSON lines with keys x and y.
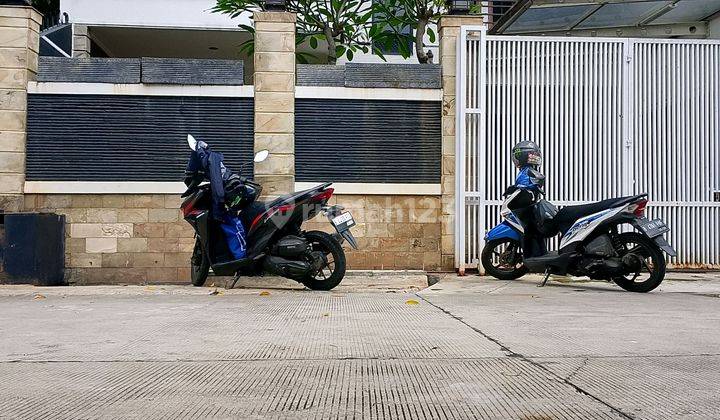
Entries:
{"x":402,"y":23}
{"x":343,"y":25}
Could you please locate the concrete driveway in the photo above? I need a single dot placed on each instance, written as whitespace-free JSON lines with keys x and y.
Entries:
{"x":465,"y":348}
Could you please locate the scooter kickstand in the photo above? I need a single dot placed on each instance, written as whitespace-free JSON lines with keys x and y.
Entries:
{"x":235,"y":280}
{"x":547,"y":277}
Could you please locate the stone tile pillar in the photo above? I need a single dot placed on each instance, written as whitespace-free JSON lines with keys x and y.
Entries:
{"x":81,"y":41}
{"x":274,"y":82}
{"x":19,"y":46}
{"x":449,"y":28}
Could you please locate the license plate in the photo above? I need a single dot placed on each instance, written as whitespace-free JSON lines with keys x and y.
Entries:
{"x":343,"y":222}
{"x":653,"y":228}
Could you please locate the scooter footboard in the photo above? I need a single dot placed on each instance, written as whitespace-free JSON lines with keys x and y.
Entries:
{"x":551,"y":262}
{"x":503,"y":231}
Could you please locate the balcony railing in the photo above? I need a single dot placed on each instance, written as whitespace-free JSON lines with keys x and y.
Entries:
{"x":495,"y":9}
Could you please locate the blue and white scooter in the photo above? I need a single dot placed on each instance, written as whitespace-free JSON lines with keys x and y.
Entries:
{"x":594,"y":241}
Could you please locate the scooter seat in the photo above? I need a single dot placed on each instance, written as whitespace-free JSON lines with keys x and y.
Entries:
{"x":249,"y":213}
{"x":568,"y":215}
{"x":296,"y":196}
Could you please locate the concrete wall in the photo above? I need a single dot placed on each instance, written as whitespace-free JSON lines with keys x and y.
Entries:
{"x":394,"y":232}
{"x":153,"y":13}
{"x":115,"y":238}
{"x":134,"y":237}
{"x":714,"y":28}
{"x":142,"y":238}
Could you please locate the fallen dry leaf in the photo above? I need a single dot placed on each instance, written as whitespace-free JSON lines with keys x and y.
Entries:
{"x":264,"y":293}
{"x":412,"y":302}
{"x":38,"y":296}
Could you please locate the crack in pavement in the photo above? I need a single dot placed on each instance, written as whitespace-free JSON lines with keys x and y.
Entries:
{"x":502,"y":286}
{"x":578,"y":369}
{"x":522,"y":357}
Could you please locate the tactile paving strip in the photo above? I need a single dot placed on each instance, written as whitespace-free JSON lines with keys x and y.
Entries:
{"x":374,"y":389}
{"x":586,"y":321}
{"x":280,"y":326}
{"x":673,"y":387}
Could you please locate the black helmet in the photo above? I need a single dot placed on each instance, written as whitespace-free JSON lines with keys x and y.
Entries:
{"x":526,"y":153}
{"x":236,"y":193}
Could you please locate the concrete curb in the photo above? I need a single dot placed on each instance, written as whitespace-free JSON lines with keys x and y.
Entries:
{"x":355,"y":282}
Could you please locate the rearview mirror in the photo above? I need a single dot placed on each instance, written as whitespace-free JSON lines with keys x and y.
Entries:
{"x":192,"y":142}
{"x":261,"y":156}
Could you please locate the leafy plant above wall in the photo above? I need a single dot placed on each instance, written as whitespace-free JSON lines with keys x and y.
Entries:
{"x":344,"y":25}
{"x":379,"y":26}
{"x":402,"y":23}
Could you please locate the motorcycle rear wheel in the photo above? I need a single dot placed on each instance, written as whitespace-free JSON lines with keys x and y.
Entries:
{"x":199,"y":266}
{"x":652,"y":271}
{"x":333,"y":270}
{"x":502,"y":259}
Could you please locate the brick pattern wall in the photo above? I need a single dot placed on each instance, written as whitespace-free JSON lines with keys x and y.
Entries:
{"x":136,"y":239}
{"x":122,"y":238}
{"x":393,"y":232}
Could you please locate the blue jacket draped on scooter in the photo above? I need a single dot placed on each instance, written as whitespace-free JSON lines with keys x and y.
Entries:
{"x":203,"y":160}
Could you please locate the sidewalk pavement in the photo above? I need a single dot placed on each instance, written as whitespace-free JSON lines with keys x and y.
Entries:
{"x":466,"y":347}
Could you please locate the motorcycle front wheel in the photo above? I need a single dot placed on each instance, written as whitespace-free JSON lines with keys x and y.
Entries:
{"x":199,"y":265}
{"x":333,"y":266}
{"x":502,"y":259}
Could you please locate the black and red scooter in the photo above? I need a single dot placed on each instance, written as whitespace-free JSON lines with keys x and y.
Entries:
{"x":276,"y":243}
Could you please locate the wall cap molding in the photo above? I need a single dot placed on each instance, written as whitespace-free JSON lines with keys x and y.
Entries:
{"x":74,"y":88}
{"x":246,"y":91}
{"x":387,"y":94}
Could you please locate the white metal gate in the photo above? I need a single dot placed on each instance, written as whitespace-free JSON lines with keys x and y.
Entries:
{"x":613,"y":117}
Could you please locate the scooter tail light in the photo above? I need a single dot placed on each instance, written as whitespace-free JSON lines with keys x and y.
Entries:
{"x":638,"y":209}
{"x":324,"y":195}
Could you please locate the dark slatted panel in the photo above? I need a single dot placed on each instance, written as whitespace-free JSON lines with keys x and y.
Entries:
{"x":367,"y":141}
{"x":131,"y":138}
